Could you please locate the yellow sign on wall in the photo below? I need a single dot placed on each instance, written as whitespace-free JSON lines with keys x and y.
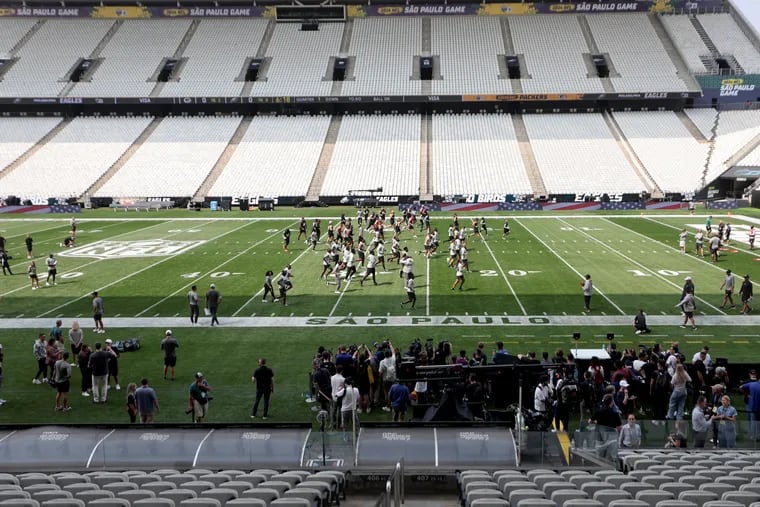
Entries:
{"x":510,"y":9}
{"x":120,"y":12}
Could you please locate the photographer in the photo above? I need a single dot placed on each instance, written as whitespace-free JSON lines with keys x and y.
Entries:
{"x":701,"y":422}
{"x":388,"y":372}
{"x":542,"y":398}
{"x":198,"y":400}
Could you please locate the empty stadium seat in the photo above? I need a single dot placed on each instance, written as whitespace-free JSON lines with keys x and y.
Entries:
{"x":109,"y":502}
{"x":62,"y":502}
{"x":607,"y":496}
{"x":200,"y":502}
{"x":221,"y":494}
{"x":20,"y":502}
{"x":489,"y":502}
{"x":246,"y":502}
{"x":481,"y":493}
{"x":743,"y":497}
{"x":515,"y":496}
{"x":153,"y":502}
{"x":177,"y":495}
{"x":266,"y":494}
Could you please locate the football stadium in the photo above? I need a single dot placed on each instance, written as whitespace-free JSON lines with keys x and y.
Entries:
{"x":319,"y":253}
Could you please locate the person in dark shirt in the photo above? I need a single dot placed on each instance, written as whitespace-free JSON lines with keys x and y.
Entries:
{"x":4,"y":262}
{"x":29,"y":242}
{"x":285,"y":239}
{"x":98,"y":365}
{"x":746,"y":293}
{"x":606,"y":416}
{"x":263,"y":377}
{"x":169,"y":345}
{"x":213,"y":299}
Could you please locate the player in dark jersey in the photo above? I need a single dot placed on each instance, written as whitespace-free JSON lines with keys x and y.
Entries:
{"x":302,"y":229}
{"x":29,"y":242}
{"x":483,"y":228}
{"x":285,"y":239}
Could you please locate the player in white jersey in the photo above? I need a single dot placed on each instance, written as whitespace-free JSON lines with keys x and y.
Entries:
{"x":381,"y":255}
{"x":459,"y":280}
{"x":52,"y":268}
{"x":395,"y":250}
{"x":463,"y":257}
{"x":682,"y":240}
{"x":370,"y":269}
{"x":699,"y":239}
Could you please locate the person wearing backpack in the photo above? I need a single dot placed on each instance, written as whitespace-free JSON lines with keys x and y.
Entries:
{"x":660,"y":391}
{"x":597,"y":376}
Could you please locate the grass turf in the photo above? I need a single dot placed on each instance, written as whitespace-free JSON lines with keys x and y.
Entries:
{"x":634,"y":261}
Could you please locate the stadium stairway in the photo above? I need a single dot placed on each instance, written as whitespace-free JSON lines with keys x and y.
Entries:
{"x":509,"y":49}
{"x":34,"y":149}
{"x":711,"y":149}
{"x":224,"y":158}
{"x":325,"y":157}
{"x":124,"y":157}
{"x":743,"y":151}
{"x":17,"y":47}
{"x":691,"y":127}
{"x":426,"y":128}
{"x":94,"y":56}
{"x":529,"y":158}
{"x":594,"y":50}
{"x":345,"y":48}
{"x":635,"y":162}
{"x":670,"y":48}
{"x":261,"y":55}
{"x":156,"y":92}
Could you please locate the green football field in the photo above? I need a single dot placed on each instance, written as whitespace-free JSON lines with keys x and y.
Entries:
{"x":523,"y":289}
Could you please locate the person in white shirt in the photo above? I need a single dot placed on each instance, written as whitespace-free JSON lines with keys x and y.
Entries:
{"x":701,"y":423}
{"x":349,"y":407}
{"x":370,"y":269}
{"x":338,"y":384}
{"x":630,"y":434}
{"x":542,"y":398}
{"x":588,"y":288}
{"x":407,"y":264}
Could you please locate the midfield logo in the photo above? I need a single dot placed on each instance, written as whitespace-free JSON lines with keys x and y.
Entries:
{"x":124,"y":249}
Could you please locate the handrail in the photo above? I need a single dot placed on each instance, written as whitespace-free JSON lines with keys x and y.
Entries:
{"x":394,"y":488}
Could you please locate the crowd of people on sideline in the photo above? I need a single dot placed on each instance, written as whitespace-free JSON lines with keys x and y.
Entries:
{"x":661,"y":384}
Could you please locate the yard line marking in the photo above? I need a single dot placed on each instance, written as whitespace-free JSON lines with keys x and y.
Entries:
{"x":126,"y":277}
{"x":504,"y":276}
{"x":674,"y":249}
{"x":569,"y":266}
{"x":275,"y":279}
{"x":642,"y":266}
{"x":335,"y":306}
{"x":213,"y":270}
{"x":80,"y":266}
{"x":735,"y":243}
{"x":22,"y":264}
{"x":427,"y":286}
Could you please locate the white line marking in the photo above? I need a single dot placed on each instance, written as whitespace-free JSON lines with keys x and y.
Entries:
{"x":207,"y":273}
{"x":8,"y":435}
{"x":642,"y":266}
{"x":335,"y":306}
{"x":79,"y":267}
{"x":274,"y":280}
{"x":427,"y":286}
{"x":150,"y":266}
{"x":92,"y":454}
{"x":435,"y":444}
{"x":504,"y":276}
{"x":198,"y":450}
{"x":571,"y":267}
{"x":714,"y":265}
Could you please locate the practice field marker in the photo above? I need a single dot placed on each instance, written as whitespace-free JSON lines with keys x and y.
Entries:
{"x":658,"y":274}
{"x":610,"y":301}
{"x":79,"y":267}
{"x":150,"y":266}
{"x":674,"y":249}
{"x":210,"y":273}
{"x":276,"y":278}
{"x":504,"y":276}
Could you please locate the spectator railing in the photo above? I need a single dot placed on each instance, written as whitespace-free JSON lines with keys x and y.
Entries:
{"x":394,"y":488}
